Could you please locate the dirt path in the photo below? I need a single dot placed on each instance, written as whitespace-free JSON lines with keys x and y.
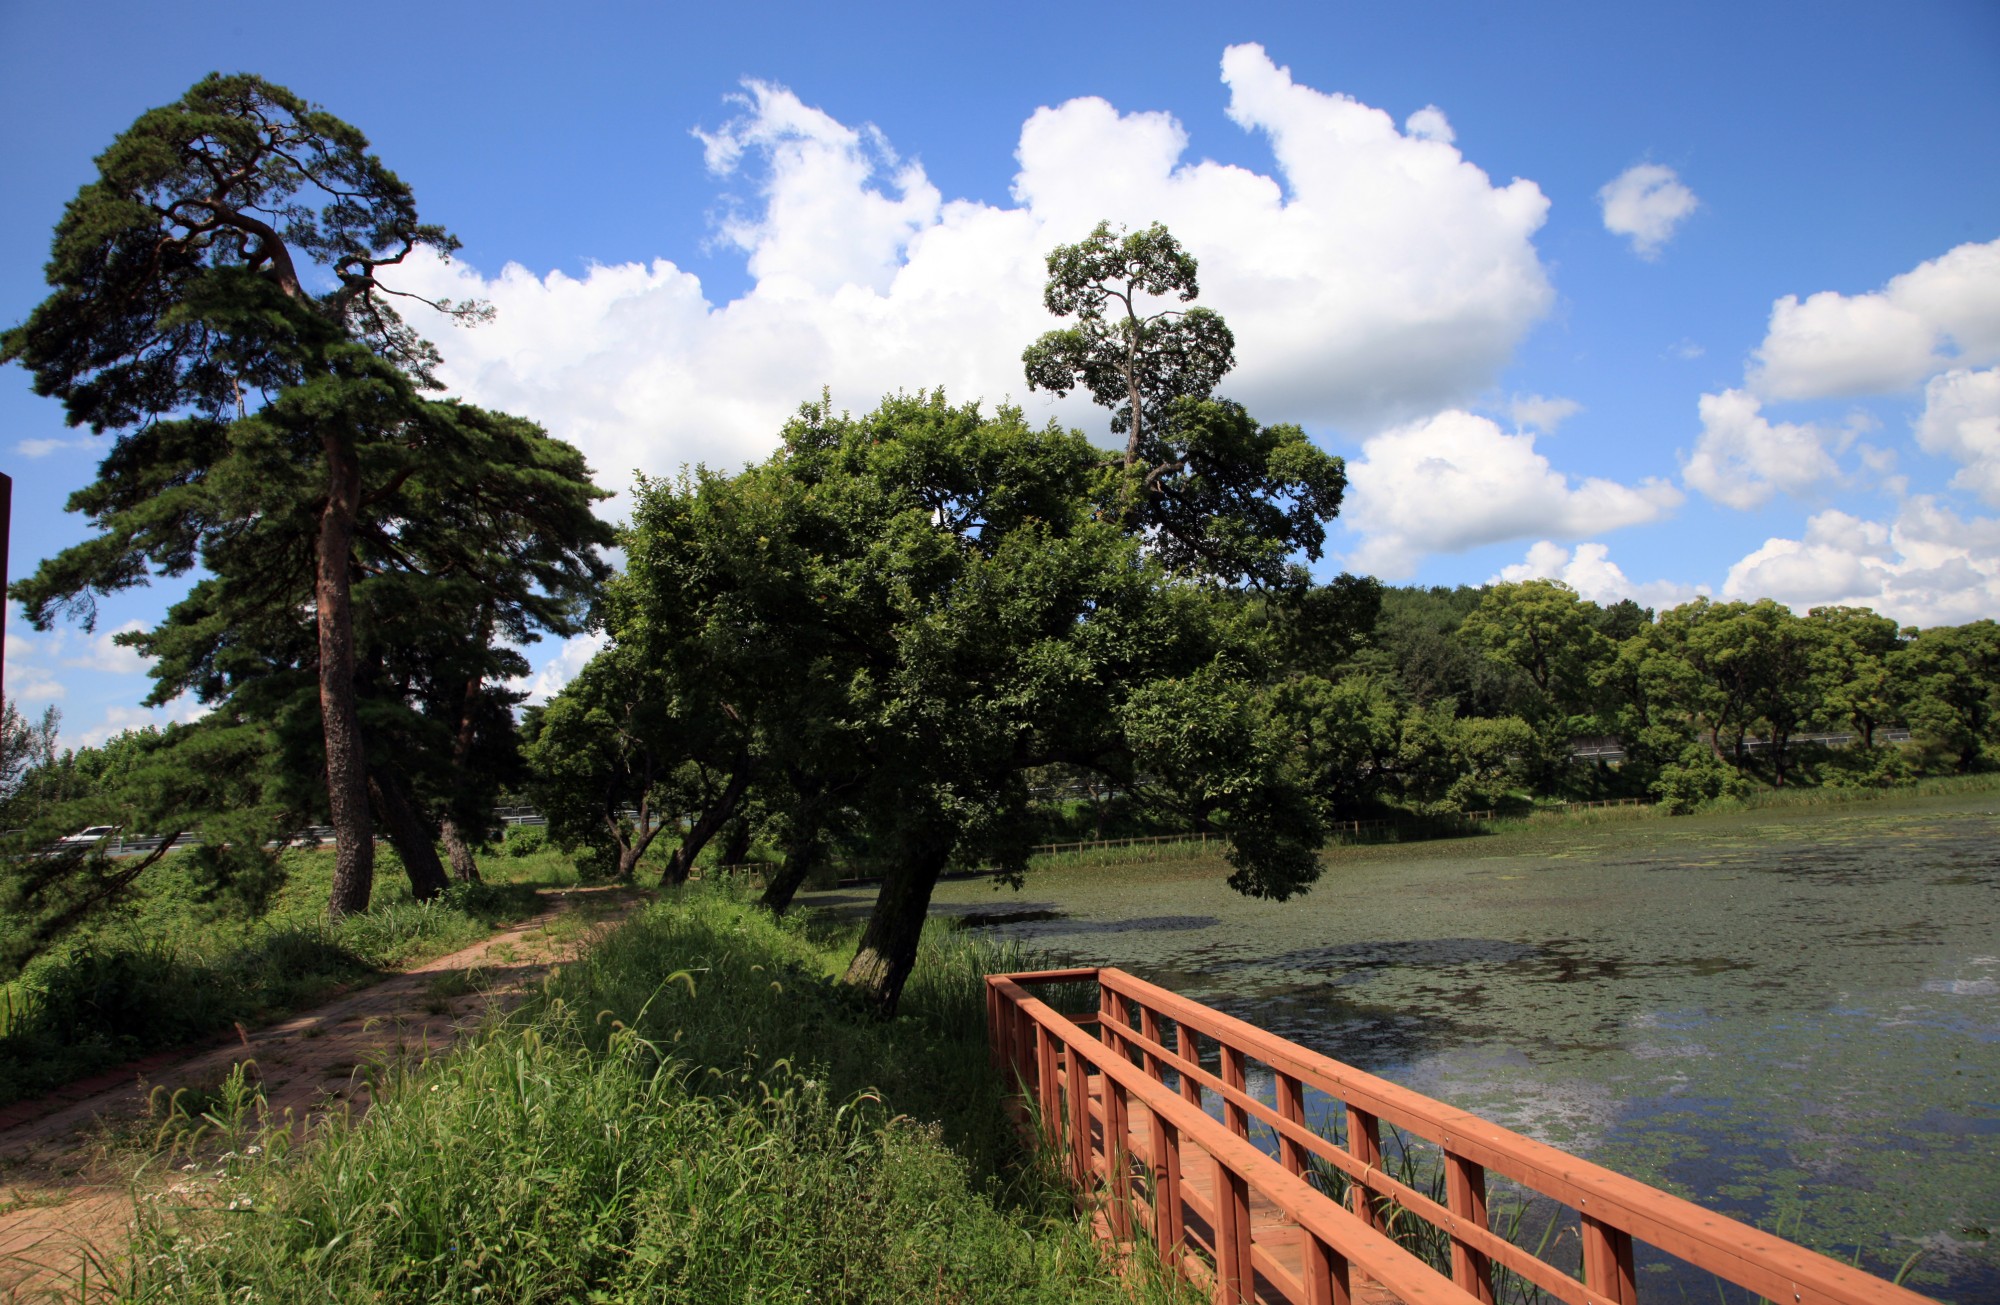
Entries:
{"x":64,"y":1204}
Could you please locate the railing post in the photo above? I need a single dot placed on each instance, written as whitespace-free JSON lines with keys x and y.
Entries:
{"x":1234,"y":1115}
{"x":1236,"y":1275}
{"x":1022,"y":1045}
{"x":1291,"y":1107}
{"x":1149,"y":1026}
{"x":993,"y":1043}
{"x":1326,"y":1276}
{"x":1184,"y":1043}
{"x":1118,"y":1155}
{"x":1111,"y":1014}
{"x":1167,"y":1190}
{"x":1079,"y":1117}
{"x":1465,"y":1193}
{"x":1364,"y":1143}
{"x":1607,"y":1263}
{"x":1048,"y":1090}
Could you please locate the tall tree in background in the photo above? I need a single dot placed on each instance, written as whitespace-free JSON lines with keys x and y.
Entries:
{"x":217,"y":301}
{"x":1219,"y":495}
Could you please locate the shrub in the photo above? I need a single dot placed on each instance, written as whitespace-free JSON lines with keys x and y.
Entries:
{"x":1699,"y":776}
{"x":524,"y":840}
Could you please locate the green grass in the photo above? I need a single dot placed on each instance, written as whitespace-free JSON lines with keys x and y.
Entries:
{"x":692,"y":1111}
{"x":168,"y":969}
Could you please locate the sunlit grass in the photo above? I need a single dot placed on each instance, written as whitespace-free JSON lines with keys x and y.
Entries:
{"x":690,"y":1111}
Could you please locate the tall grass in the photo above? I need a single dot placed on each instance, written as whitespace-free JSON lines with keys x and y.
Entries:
{"x":692,"y":1111}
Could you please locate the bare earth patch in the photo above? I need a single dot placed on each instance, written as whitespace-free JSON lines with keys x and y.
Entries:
{"x":65,"y":1186}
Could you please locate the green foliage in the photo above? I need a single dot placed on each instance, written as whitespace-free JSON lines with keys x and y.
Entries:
{"x":1948,"y":682}
{"x":524,"y":840}
{"x":730,"y":1127}
{"x":1698,"y":777}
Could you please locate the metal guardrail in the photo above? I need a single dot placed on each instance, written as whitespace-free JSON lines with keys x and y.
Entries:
{"x":1136,"y":1121}
{"x":1616,"y":751}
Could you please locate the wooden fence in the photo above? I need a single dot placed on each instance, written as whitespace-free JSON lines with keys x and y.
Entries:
{"x":1133,"y":1109}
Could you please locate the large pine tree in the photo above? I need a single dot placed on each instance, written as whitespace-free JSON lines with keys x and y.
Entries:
{"x":217,"y":303}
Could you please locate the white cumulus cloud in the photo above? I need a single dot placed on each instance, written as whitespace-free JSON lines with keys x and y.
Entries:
{"x":1743,"y":458}
{"x":1928,"y":566}
{"x":1430,"y":123}
{"x":1961,"y":420}
{"x":1542,"y":414}
{"x":1456,"y":481}
{"x":42,"y":448}
{"x":562,"y":666}
{"x":1942,"y":313}
{"x":103,"y":653}
{"x":1646,"y":203}
{"x":1374,"y":276}
{"x":1590,"y":571}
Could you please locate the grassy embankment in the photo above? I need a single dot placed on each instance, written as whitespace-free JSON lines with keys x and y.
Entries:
{"x":692,"y":1111}
{"x":167,"y":968}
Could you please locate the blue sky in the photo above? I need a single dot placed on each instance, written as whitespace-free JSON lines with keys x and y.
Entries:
{"x":1660,"y":300}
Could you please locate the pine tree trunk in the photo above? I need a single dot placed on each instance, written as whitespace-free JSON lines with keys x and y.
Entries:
{"x":410,"y":836}
{"x":888,"y":950}
{"x":346,"y":767}
{"x":462,"y":863}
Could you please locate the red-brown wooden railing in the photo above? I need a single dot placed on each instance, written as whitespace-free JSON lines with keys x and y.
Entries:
{"x":1128,"y":1137}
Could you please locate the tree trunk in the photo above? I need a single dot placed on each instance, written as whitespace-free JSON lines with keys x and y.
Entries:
{"x":800,"y":855}
{"x":411,"y":838}
{"x":463,"y":865}
{"x":736,"y":845}
{"x":888,"y":950}
{"x":681,"y":864}
{"x":346,"y":767}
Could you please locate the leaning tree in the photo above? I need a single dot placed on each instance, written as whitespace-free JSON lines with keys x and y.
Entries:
{"x":217,"y":302}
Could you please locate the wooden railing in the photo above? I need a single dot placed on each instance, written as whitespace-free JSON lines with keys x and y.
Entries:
{"x":1129,"y":1107}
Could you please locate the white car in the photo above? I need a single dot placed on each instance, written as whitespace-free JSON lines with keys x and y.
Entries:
{"x":89,"y":837}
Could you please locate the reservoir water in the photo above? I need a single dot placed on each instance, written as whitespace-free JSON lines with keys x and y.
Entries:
{"x":1789,"y":1016}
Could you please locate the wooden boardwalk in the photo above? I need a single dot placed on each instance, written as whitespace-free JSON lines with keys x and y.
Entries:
{"x":1148,"y":1101}
{"x":1279,"y":1241}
